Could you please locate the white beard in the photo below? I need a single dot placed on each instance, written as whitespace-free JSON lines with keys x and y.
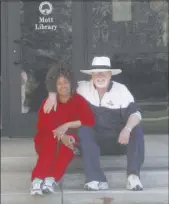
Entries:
{"x":101,"y":83}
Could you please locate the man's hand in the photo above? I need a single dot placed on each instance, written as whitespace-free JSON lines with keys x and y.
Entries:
{"x":50,"y":103}
{"x":61,"y":130}
{"x":124,"y":136}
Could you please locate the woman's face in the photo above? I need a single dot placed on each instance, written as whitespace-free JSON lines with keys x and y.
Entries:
{"x":63,"y":86}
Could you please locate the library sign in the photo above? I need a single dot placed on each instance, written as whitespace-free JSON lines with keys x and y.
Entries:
{"x":45,"y":22}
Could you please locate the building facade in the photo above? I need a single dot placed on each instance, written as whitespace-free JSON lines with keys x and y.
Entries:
{"x":34,"y":34}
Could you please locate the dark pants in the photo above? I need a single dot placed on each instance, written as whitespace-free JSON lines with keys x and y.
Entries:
{"x":90,"y":152}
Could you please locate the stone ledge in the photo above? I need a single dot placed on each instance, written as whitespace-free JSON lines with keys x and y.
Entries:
{"x":155,"y":145}
{"x":148,"y":196}
{"x":25,"y":164}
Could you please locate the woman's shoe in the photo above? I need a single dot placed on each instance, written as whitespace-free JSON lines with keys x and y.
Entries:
{"x":36,"y":188}
{"x":49,"y":185}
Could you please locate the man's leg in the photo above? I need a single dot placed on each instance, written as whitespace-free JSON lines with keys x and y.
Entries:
{"x":135,"y":158}
{"x":135,"y":151}
{"x":90,"y":155}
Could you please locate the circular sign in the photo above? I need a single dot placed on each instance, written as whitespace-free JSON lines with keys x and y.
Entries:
{"x":156,"y":5}
{"x":45,"y":8}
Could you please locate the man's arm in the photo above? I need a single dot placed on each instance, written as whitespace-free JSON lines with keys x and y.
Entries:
{"x":130,"y":113}
{"x":132,"y":122}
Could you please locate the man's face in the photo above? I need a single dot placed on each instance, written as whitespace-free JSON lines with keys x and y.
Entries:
{"x":101,"y":79}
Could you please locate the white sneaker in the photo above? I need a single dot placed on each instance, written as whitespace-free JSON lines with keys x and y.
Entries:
{"x":103,"y":186}
{"x":36,"y":188}
{"x":49,"y":185}
{"x":134,"y":183}
{"x":96,"y":186}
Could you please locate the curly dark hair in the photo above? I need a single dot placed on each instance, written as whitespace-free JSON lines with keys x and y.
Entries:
{"x":65,"y":70}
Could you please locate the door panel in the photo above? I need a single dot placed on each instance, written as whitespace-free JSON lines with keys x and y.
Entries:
{"x":37,"y":36}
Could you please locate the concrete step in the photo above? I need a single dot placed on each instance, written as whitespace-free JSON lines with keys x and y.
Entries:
{"x":19,"y":182}
{"x":25,"y":164}
{"x":18,"y":158}
{"x":148,"y":196}
{"x":20,"y":151}
{"x":155,"y":145}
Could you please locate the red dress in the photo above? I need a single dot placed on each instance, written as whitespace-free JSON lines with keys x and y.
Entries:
{"x":49,"y":164}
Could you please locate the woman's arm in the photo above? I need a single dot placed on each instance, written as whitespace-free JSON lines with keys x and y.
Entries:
{"x":45,"y":121}
{"x":62,"y":129}
{"x":84,"y":112}
{"x":84,"y":115}
{"x":74,"y":124}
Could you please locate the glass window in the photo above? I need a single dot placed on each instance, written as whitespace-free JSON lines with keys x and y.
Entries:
{"x":136,"y":34}
{"x":121,"y":10}
{"x":46,"y":36}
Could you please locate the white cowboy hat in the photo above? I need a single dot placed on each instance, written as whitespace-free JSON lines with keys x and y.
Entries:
{"x":101,"y":64}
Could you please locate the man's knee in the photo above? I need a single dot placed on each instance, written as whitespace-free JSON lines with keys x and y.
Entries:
{"x":85,"y":133}
{"x":137,"y":131}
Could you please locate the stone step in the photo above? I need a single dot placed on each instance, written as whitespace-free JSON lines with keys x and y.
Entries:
{"x":25,"y":164}
{"x":24,"y":147}
{"x":16,"y":151}
{"x":18,"y":158}
{"x":19,"y":182}
{"x":115,"y":196}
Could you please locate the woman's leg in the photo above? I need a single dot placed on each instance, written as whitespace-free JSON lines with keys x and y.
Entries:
{"x":46,"y":153}
{"x":62,"y":160}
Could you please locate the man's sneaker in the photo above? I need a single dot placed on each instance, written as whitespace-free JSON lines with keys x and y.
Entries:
{"x":49,"y":185}
{"x":134,"y":183}
{"x":36,"y":188}
{"x":96,"y":186}
{"x":103,"y":186}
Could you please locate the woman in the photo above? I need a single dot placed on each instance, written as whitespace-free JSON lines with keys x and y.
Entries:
{"x":72,"y":112}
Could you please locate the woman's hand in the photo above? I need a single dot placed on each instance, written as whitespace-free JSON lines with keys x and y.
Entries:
{"x":61,"y":130}
{"x":68,"y":141}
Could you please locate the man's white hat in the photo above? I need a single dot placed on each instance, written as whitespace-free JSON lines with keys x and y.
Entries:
{"x":101,"y":64}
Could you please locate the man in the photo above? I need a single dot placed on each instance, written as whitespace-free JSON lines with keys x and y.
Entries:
{"x":116,"y":116}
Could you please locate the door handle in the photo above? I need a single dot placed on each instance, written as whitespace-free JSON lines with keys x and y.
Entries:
{"x":20,"y":62}
{"x":19,"y":42}
{"x":22,"y":42}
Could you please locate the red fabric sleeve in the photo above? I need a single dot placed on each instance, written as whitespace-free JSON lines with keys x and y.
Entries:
{"x":46,"y":121}
{"x":84,"y":112}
